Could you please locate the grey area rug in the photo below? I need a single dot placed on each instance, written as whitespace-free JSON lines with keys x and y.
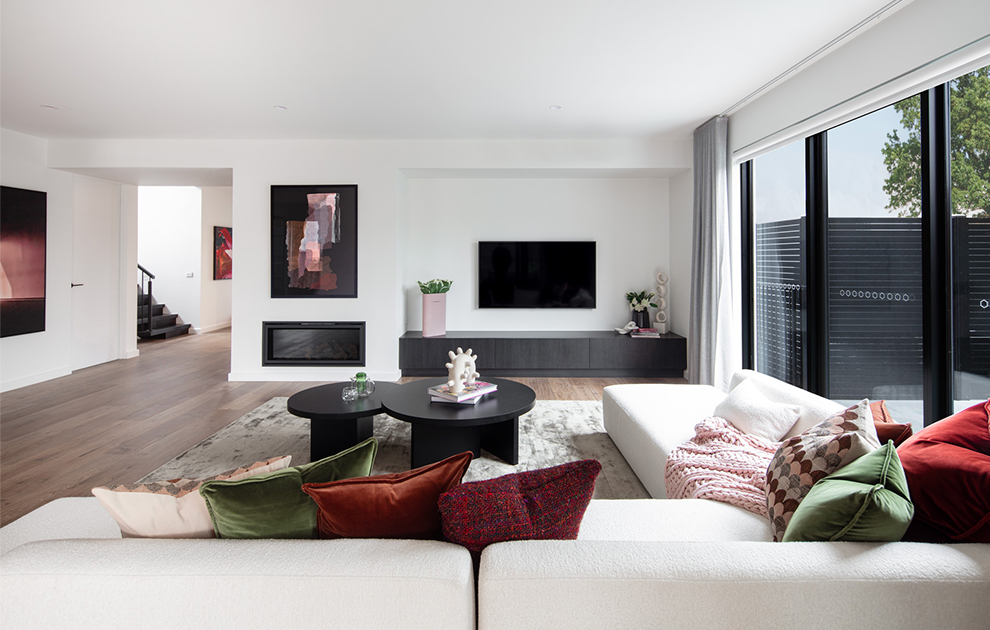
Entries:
{"x":554,"y":432}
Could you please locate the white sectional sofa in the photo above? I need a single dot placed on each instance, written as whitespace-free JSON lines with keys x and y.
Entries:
{"x":679,"y":564}
{"x":647,"y":422}
{"x":700,"y":564}
{"x":65,"y":565}
{"x":681,"y":585}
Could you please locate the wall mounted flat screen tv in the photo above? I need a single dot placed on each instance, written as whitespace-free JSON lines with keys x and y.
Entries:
{"x":536,"y":274}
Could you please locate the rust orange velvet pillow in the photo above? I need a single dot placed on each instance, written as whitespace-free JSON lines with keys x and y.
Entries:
{"x":948,"y":471}
{"x":880,"y":413}
{"x":398,"y":505}
{"x":887,"y":429}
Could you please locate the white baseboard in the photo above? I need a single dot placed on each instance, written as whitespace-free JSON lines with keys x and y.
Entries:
{"x":34,"y":379}
{"x":130,"y":354}
{"x":312,"y":375}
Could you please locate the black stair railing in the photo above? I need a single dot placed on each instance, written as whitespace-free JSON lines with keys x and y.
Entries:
{"x":145,"y":300}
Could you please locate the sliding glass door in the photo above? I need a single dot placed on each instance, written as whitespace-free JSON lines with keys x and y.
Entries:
{"x":875,"y":332}
{"x":868,"y":255}
{"x":969,"y":115}
{"x":780,"y":309}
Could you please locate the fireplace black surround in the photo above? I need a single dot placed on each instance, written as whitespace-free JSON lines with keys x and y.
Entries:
{"x":316,"y":344}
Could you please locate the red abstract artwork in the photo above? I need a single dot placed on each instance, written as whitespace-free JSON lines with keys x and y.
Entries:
{"x":223,"y":245}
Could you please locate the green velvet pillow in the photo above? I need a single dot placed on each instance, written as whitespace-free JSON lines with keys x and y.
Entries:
{"x":865,"y":501}
{"x":273,"y":504}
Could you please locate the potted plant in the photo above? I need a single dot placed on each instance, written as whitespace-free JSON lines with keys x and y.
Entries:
{"x":637,"y":304}
{"x":434,"y":306}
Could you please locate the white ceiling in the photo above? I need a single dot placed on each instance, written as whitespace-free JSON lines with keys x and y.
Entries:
{"x":396,"y":68}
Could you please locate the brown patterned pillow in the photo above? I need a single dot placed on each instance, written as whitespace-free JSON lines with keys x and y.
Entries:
{"x":802,"y":460}
{"x":173,"y":508}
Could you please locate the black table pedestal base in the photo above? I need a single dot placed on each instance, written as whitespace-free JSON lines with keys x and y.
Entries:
{"x":502,"y":440}
{"x":329,"y":438}
{"x":433,"y":443}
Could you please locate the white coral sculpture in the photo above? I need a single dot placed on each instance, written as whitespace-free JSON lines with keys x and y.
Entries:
{"x":461,"y":370}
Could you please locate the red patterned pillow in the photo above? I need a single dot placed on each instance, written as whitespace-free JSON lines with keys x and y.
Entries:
{"x":948,"y":471}
{"x":545,"y":504}
{"x":802,"y":460}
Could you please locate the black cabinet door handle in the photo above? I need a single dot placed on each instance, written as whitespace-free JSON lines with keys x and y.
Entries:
{"x":73,"y":285}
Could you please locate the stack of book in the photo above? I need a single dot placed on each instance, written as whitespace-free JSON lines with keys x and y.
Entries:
{"x":645,"y":332}
{"x":470,"y":396}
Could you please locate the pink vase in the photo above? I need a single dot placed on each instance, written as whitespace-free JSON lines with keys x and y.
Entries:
{"x":434,"y":314}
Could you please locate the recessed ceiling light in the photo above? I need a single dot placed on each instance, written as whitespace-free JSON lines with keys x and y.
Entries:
{"x":281,"y":107}
{"x":48,"y":107}
{"x":555,"y":107}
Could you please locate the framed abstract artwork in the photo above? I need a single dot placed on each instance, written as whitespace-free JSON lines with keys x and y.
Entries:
{"x":23,"y":230}
{"x":223,"y":261}
{"x":314,"y":241}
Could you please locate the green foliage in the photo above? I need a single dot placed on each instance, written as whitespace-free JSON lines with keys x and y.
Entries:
{"x":903,"y":161}
{"x":971,"y":144}
{"x":970,"y":162}
{"x":435,"y":286}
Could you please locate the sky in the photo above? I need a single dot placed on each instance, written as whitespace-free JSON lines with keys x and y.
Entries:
{"x":855,"y":173}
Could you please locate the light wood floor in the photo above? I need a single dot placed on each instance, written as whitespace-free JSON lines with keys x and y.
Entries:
{"x":116,"y":422}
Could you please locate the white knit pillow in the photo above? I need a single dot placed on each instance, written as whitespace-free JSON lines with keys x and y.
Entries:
{"x":753,"y":413}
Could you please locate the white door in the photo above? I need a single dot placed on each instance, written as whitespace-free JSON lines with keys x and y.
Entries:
{"x":95,"y":272}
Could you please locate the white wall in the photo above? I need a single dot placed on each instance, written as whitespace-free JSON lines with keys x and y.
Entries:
{"x":169,"y":246}
{"x":925,"y":43}
{"x":681,"y":247}
{"x":37,"y":357}
{"x":627,"y":218}
{"x":380,"y":169}
{"x":128,"y":271}
{"x":218,"y":210}
{"x":96,"y":207}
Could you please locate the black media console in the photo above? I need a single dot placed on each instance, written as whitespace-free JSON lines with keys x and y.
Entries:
{"x":569,"y":353}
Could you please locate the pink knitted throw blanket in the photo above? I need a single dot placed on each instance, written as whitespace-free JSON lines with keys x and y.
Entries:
{"x":721,"y":463}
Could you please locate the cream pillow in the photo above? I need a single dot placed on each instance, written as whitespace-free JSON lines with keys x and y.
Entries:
{"x":174,"y":508}
{"x":753,"y":413}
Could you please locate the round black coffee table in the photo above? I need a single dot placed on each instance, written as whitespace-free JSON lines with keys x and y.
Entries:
{"x":336,"y":424}
{"x":440,"y":430}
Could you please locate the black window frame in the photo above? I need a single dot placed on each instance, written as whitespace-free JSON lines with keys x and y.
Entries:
{"x":936,"y":211}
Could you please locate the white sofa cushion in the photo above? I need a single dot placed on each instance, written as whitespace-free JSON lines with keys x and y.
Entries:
{"x":235,"y":584}
{"x":646,"y":422}
{"x":814,"y":408}
{"x":73,"y":517}
{"x":687,"y":519}
{"x":541,"y":585}
{"x":753,"y":413}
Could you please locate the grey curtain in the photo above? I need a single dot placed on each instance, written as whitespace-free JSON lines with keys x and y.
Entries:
{"x":710,"y":279}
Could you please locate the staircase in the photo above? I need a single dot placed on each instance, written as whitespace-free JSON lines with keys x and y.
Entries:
{"x":152,"y":322}
{"x":162,"y":326}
